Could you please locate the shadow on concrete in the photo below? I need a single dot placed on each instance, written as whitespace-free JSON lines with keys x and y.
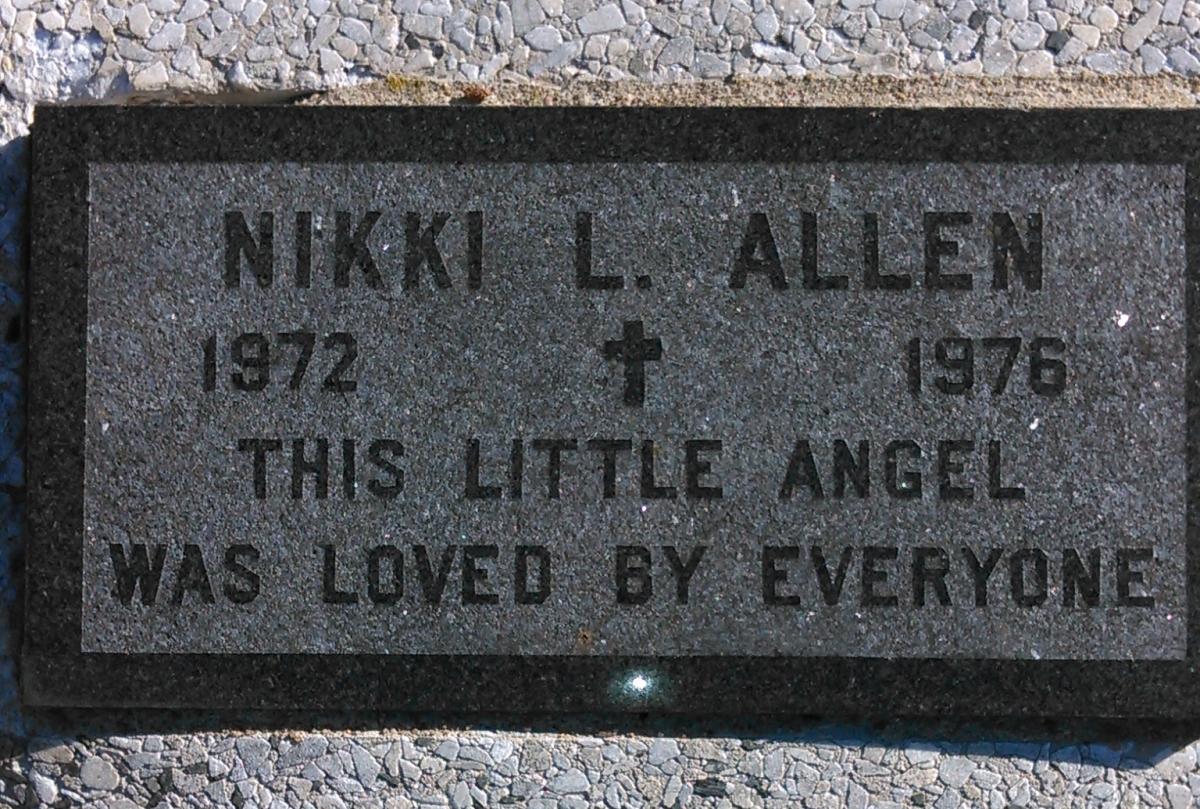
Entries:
{"x":14,"y":167}
{"x":1122,"y":744}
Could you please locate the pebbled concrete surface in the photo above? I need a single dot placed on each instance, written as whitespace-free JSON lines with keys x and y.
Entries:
{"x":826,"y":767}
{"x":109,"y":46}
{"x":1014,"y":52}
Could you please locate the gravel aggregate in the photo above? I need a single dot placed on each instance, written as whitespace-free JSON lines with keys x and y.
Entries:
{"x":826,"y":767}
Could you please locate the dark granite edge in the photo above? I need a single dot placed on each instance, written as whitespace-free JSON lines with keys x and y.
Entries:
{"x":677,"y":134}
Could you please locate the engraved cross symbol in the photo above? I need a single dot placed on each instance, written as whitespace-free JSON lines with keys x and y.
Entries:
{"x":634,"y":350}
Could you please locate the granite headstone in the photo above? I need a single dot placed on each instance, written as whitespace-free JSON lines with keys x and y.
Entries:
{"x":672,"y":410}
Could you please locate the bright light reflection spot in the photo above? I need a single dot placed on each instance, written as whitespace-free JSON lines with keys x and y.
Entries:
{"x":638,"y":684}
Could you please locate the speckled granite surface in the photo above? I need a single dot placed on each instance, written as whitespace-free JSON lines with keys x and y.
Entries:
{"x":1057,"y":664}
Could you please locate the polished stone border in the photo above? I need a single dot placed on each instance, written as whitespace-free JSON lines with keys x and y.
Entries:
{"x":66,"y":140}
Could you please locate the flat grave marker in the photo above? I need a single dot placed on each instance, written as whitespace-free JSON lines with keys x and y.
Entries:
{"x":708,"y":411}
